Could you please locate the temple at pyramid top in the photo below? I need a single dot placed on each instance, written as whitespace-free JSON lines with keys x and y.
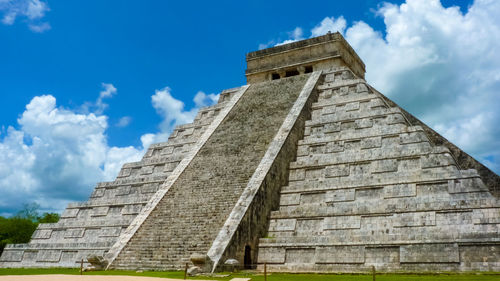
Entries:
{"x":305,"y":56}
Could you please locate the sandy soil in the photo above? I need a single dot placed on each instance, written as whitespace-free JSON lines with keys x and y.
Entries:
{"x":61,"y":277}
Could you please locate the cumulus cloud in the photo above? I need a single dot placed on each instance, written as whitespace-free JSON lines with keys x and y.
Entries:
{"x":329,"y":24}
{"x":440,"y":64}
{"x":32,"y":11}
{"x":57,"y":155}
{"x":173,"y":110}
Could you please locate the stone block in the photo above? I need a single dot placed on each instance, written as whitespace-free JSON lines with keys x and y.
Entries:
{"x":149,"y":188}
{"x":466,"y":185}
{"x":147,"y":170}
{"x":382,"y":255}
{"x":302,"y":150}
{"x":313,"y":174}
{"x":317,"y":149}
{"x":297,"y":174}
{"x":74,"y":233}
{"x":480,"y":257}
{"x":373,"y":142}
{"x":409,"y":164}
{"x":309,"y":226}
{"x":377,"y":102}
{"x":429,"y":253}
{"x":336,"y":146}
{"x":337,"y":171}
{"x":395,"y":119}
{"x":167,"y":150}
{"x":123,"y":190}
{"x":42,"y":234}
{"x":436,"y":160}
{"x":386,"y":165}
{"x":98,"y":192}
{"x":341,"y":195}
{"x":282,"y":225}
{"x":100,"y":211}
{"x":272,"y":255}
{"x":48,"y":256}
{"x":300,"y":256}
{"x":131,"y":209}
{"x":70,"y":213}
{"x":330,"y":109}
{"x":331,"y":127}
{"x":289,"y":199}
{"x":340,"y":254}
{"x":113,"y":231}
{"x":330,"y":77}
{"x":342,"y":222}
{"x":486,"y":216}
{"x":124,"y":172}
{"x":312,"y":198}
{"x":363,"y":123}
{"x":400,"y":190}
{"x":326,"y":94}
{"x":12,"y":256}
{"x":30,"y":256}
{"x":414,"y":219}
{"x":413,"y":137}
{"x":361,"y":88}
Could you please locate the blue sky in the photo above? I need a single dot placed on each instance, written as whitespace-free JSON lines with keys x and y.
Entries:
{"x":88,"y":85}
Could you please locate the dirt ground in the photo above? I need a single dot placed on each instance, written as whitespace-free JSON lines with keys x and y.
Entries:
{"x":57,"y":277}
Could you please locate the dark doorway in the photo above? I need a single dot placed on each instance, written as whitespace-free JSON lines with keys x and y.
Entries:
{"x":309,"y":69}
{"x":275,"y":76}
{"x":248,"y":257}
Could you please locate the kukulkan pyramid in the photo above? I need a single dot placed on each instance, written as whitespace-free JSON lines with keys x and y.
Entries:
{"x":307,"y":168}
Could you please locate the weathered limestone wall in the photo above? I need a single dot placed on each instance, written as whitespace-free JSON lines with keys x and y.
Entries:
{"x":190,"y":214}
{"x":249,"y":218}
{"x":92,"y":227}
{"x":464,"y":160}
{"x":368,"y":188}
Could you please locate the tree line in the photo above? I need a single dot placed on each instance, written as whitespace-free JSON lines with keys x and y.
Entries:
{"x":19,"y":227}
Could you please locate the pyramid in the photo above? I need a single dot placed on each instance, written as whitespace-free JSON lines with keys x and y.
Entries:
{"x":307,"y":168}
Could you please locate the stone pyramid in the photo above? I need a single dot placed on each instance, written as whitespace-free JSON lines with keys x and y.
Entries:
{"x":307,"y":168}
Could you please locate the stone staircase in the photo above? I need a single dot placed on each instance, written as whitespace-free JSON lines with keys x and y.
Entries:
{"x":189,"y":216}
{"x":368,"y":188}
{"x":92,"y":227}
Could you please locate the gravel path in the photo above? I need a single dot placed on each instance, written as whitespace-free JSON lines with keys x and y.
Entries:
{"x":61,"y":277}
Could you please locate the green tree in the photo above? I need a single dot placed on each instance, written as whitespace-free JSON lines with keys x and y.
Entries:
{"x":48,"y":218}
{"x":20,"y":227}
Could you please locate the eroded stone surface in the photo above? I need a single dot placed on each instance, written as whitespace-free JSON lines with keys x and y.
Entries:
{"x":375,"y":190}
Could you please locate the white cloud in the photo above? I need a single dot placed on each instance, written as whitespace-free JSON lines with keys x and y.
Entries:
{"x":201,"y":99}
{"x":32,"y":10}
{"x":173,"y":112}
{"x":109,"y":91}
{"x":124,"y":121}
{"x":438,"y":63}
{"x":329,"y":24}
{"x":57,"y":155}
{"x":99,"y":105}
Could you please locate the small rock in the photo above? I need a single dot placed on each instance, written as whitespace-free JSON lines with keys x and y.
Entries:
{"x":193,"y":270}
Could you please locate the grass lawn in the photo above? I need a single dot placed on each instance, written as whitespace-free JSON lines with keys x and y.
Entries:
{"x":271,"y":277}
